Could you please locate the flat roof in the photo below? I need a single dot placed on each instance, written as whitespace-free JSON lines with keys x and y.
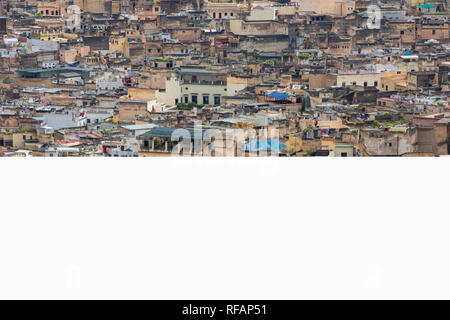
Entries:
{"x":139,"y":126}
{"x":197,"y":70}
{"x":167,"y":132}
{"x":74,"y":69}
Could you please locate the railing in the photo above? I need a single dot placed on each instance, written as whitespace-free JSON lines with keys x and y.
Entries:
{"x":211,"y":83}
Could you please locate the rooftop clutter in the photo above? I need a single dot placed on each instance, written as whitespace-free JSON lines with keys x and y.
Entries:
{"x":255,"y":78}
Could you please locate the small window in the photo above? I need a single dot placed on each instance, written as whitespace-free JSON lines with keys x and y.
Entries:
{"x":375,"y":83}
{"x":365,"y":83}
{"x":205,"y":99}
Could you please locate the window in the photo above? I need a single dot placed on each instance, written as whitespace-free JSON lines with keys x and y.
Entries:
{"x":176,"y":101}
{"x":433,"y":32}
{"x":220,"y":15}
{"x":214,"y":15}
{"x":216,"y":100}
{"x":186,"y":99}
{"x":365,"y":83}
{"x":343,"y":154}
{"x":375,"y":83}
{"x":402,"y":32}
{"x":194,"y":99}
{"x":205,"y":99}
{"x":343,"y":84}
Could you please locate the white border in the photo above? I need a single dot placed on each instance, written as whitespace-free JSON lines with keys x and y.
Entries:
{"x":224,"y":228}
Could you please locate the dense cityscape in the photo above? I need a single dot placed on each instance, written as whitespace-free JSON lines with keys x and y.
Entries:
{"x":299,"y":78}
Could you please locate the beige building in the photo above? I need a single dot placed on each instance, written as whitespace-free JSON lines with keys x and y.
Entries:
{"x":339,"y":8}
{"x":222,"y":10}
{"x":255,"y":28}
{"x":202,"y":86}
{"x":49,"y":9}
{"x":394,"y":81}
{"x":359,"y":78}
{"x":99,"y":6}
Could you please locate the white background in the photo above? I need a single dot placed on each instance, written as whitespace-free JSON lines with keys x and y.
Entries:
{"x":184,"y":228}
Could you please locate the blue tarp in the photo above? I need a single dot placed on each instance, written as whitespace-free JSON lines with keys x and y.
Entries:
{"x":278,"y":95}
{"x":267,"y":145}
